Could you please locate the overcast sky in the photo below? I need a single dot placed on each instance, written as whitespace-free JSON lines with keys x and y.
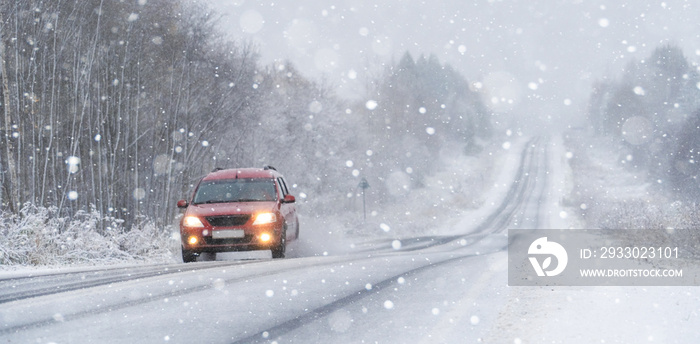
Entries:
{"x":533,"y":57}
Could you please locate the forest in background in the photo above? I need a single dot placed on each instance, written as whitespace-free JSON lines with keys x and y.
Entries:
{"x":653,"y":112}
{"x":118,"y":108}
{"x":647,"y":124}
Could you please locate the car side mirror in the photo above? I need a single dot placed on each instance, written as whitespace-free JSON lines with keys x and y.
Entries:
{"x":289,"y":199}
{"x":182,"y":204}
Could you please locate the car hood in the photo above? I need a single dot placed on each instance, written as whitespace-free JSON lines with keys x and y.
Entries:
{"x":214,"y":209}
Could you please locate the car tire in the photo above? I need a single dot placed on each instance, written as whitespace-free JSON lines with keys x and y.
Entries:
{"x":278,"y":251}
{"x":188,"y":256}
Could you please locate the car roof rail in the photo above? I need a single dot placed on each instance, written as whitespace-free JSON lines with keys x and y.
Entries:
{"x":216,"y":169}
{"x":268,"y":167}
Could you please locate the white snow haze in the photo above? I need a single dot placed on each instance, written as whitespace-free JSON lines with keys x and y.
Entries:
{"x":536,"y":58}
{"x":421,"y":142}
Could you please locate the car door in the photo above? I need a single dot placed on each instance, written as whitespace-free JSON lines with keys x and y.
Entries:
{"x":288,"y":210}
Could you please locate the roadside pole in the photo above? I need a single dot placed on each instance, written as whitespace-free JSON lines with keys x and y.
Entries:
{"x":364,"y":185}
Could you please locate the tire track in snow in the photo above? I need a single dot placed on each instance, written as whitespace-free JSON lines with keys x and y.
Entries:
{"x":15,"y":289}
{"x":523,"y":187}
{"x":277,"y":332}
{"x":279,"y":269}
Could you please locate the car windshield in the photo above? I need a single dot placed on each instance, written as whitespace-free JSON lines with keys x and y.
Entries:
{"x":235,"y":190}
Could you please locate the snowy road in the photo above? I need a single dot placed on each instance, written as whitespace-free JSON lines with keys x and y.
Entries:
{"x":427,"y":289}
{"x":431,"y":289}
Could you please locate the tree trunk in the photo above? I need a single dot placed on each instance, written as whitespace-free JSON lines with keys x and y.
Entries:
{"x":9,"y":185}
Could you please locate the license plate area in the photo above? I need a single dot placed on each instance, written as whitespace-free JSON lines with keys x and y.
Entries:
{"x":228,"y":234}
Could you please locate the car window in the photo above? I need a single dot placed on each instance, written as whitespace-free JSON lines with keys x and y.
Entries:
{"x":283,"y":186}
{"x":235,"y":190}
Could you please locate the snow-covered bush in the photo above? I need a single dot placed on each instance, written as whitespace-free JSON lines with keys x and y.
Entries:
{"x":612,"y":196}
{"x":39,"y":236}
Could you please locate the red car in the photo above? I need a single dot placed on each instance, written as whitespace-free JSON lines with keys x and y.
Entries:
{"x":238,"y":210}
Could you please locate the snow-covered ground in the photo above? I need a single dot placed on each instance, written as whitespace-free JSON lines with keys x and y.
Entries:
{"x":594,"y":314}
{"x":454,"y":201}
{"x":357,"y":284}
{"x":478,"y":306}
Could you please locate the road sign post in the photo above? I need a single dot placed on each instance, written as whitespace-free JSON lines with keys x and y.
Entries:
{"x":364,"y":185}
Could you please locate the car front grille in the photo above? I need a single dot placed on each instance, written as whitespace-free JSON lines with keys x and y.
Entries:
{"x":232,"y":241}
{"x":228,"y":220}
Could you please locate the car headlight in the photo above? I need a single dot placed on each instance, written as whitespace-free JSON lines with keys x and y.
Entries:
{"x":265,"y":218}
{"x":265,"y":237}
{"x":192,"y":221}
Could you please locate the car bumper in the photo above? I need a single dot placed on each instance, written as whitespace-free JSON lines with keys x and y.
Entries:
{"x":249,"y":242}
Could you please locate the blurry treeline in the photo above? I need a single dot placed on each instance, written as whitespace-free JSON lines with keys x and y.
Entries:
{"x":654,"y":111}
{"x":124,"y":105}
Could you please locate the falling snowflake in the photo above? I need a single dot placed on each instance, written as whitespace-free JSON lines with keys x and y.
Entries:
{"x":139,"y":194}
{"x":73,"y":163}
{"x":315,"y":106}
{"x":251,"y":21}
{"x":72,"y":195}
{"x":371,"y":104}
